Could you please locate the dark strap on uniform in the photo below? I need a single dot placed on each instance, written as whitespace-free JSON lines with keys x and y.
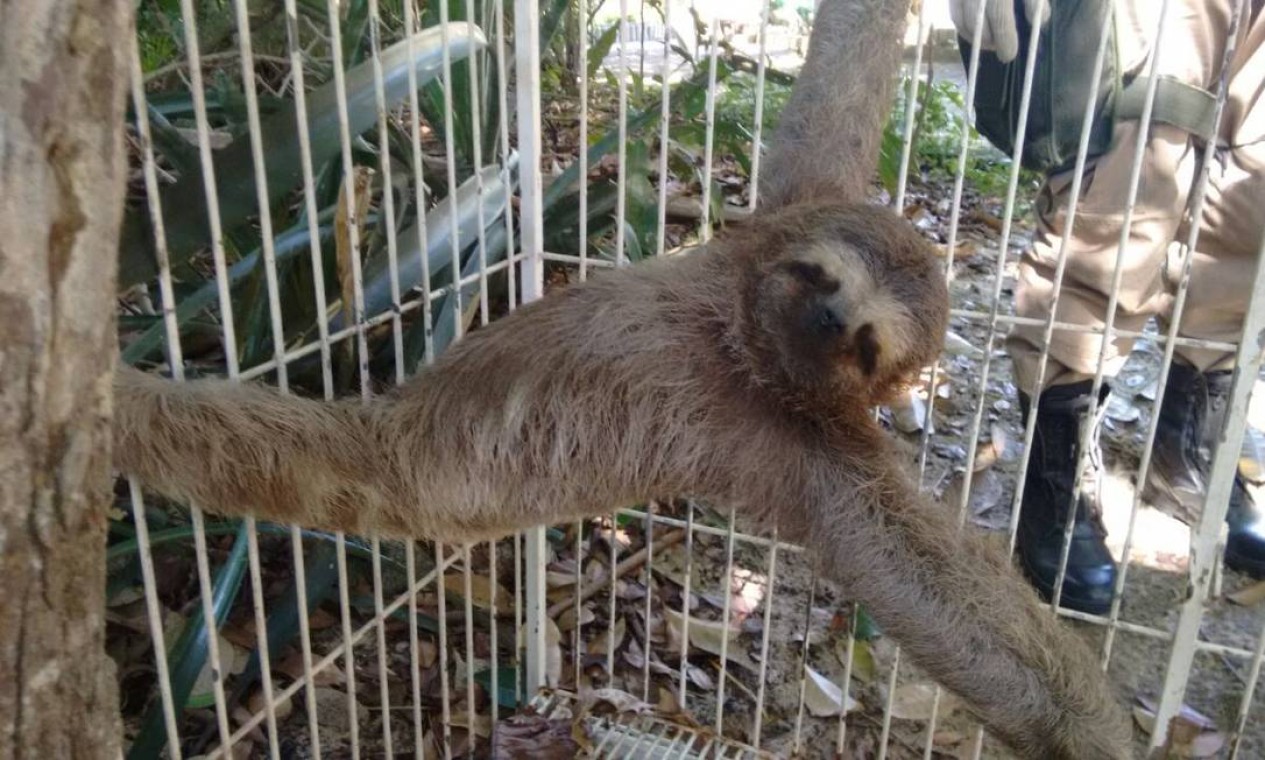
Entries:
{"x":1177,"y":104}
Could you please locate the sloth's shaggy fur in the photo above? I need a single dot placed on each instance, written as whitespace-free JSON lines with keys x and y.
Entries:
{"x":742,"y":374}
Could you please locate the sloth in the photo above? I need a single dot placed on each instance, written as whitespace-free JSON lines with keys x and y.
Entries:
{"x":742,"y":375}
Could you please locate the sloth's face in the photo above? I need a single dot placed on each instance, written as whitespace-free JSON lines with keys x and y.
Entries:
{"x":835,"y":321}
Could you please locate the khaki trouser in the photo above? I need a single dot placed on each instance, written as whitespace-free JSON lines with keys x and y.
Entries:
{"x":1154,"y":254}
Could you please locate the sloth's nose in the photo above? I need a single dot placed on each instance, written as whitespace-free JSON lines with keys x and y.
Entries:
{"x":829,"y":320}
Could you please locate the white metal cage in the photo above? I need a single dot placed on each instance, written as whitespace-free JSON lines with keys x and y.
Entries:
{"x":794,"y":694}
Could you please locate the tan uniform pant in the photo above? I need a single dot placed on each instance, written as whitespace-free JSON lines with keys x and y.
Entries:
{"x":1153,"y":255}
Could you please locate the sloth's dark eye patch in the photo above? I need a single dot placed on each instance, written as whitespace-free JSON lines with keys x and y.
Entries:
{"x":813,"y":275}
{"x":867,"y":348}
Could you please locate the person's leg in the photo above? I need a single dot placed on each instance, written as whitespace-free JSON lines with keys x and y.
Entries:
{"x":1062,"y":388}
{"x":1091,"y":253}
{"x":1222,"y":267}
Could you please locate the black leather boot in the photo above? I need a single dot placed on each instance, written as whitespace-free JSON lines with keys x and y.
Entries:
{"x":1191,"y":415}
{"x":1048,"y":500}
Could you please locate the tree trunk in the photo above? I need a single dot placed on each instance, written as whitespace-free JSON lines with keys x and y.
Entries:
{"x":63,"y":78}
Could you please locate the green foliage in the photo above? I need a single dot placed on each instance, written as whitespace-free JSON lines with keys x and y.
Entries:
{"x":687,"y":124}
{"x":468,"y":219}
{"x":735,"y":101}
{"x":937,"y":143}
{"x":190,"y":652}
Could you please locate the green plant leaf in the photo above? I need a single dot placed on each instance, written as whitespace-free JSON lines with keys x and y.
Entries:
{"x":551,"y":21}
{"x":184,"y":204}
{"x":688,"y":99}
{"x":444,"y":325}
{"x":506,"y":684}
{"x":181,"y":533}
{"x":465,"y":203}
{"x":600,"y":48}
{"x":190,"y":652}
{"x":320,"y":568}
{"x":286,"y":246}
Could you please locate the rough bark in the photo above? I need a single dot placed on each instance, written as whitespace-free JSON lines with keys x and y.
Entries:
{"x":63,"y":80}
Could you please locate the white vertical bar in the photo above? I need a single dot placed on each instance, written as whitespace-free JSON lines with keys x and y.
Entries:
{"x":388,"y":194}
{"x":411,"y":24}
{"x":175,"y":358}
{"x":1203,"y":555}
{"x":152,"y":608}
{"x":176,"y":362}
{"x":527,"y":94}
{"x":520,"y":645}
{"x":441,"y":612}
{"x":531,"y":224}
{"x":450,"y":153}
{"x":493,"y":638}
{"x":261,"y":189}
{"x":1002,"y":247}
{"x":327,"y":379}
{"x":305,"y":639}
{"x":261,"y":636}
{"x":886,"y":734}
{"x":685,"y":602}
{"x":502,"y":79}
{"x":349,"y":654}
{"x":649,"y":581}
{"x":613,"y":545}
{"x":476,"y":131}
{"x":415,"y":674}
{"x":758,"y":133}
{"x":727,"y":590}
{"x":1060,"y":268}
{"x":278,"y":349}
{"x":582,"y":11}
{"x":212,"y":628}
{"x":665,"y":116}
{"x":1135,"y":176}
{"x":397,"y":335}
{"x":709,"y":139}
{"x":309,"y":200}
{"x":577,"y":634}
{"x":1179,"y":307}
{"x":349,"y":191}
{"x":362,"y":348}
{"x":803,"y":682}
{"x":208,"y":184}
{"x":384,"y":689}
{"x":770,"y":585}
{"x":1249,"y":692}
{"x":468,"y":589}
{"x":189,"y":19}
{"x":849,"y":653}
{"x":621,"y":150}
{"x":911,"y":105}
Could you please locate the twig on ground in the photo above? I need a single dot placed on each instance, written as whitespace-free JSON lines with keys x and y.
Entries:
{"x":632,"y":562}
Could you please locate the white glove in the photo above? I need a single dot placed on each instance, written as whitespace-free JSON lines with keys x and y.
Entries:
{"x":999,"y":33}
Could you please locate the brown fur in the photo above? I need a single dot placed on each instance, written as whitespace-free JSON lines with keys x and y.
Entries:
{"x":833,"y":122}
{"x":742,"y":374}
{"x":704,"y":375}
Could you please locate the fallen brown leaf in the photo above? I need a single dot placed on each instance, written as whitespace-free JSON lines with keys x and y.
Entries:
{"x":1248,"y":596}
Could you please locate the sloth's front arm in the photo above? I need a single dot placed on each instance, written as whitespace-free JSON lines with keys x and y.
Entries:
{"x":954,"y":602}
